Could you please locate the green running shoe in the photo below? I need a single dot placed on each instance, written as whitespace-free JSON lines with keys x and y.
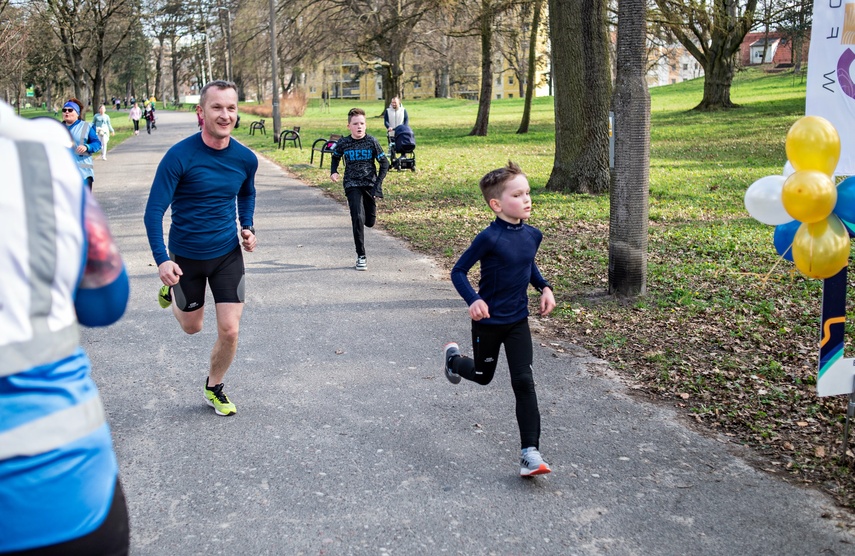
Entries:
{"x":217,"y":399}
{"x":164,"y":297}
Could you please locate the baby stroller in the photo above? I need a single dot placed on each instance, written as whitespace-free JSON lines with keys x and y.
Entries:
{"x":402,"y":146}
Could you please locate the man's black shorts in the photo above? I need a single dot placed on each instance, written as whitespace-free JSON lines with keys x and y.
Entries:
{"x":224,"y":274}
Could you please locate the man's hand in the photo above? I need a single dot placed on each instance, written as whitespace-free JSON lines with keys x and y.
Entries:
{"x":478,"y":310}
{"x":169,"y":272}
{"x":249,"y":242}
{"x":547,"y":302}
{"x":81,"y":149}
{"x":334,"y":177}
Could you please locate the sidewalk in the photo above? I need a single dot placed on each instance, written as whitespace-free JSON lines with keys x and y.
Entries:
{"x":348,"y":438}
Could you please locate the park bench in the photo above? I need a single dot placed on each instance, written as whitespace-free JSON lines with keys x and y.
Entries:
{"x":257,"y":126}
{"x":324,"y":146}
{"x":292,"y":135}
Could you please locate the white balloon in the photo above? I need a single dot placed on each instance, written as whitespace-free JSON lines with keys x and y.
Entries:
{"x":788,"y":170}
{"x":763,"y":201}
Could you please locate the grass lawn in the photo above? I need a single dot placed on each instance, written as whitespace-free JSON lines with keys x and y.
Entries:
{"x":727,"y":332}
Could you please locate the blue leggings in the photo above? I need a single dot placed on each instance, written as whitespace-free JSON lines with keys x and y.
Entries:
{"x":487,"y":339}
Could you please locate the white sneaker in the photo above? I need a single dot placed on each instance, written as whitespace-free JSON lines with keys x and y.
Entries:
{"x":531,"y":463}
{"x":361,"y":263}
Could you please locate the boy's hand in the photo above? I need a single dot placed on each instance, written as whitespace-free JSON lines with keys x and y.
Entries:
{"x":334,"y":177}
{"x":547,"y":302}
{"x":479,"y":310}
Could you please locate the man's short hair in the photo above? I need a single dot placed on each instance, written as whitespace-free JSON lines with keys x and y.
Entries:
{"x":493,"y":182}
{"x":221,"y":84}
{"x":355,"y":112}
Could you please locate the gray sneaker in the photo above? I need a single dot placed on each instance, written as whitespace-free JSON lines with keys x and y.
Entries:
{"x":361,"y":263}
{"x":531,"y":463}
{"x":450,"y":350}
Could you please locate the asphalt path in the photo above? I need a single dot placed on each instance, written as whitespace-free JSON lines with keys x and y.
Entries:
{"x":349,"y":440}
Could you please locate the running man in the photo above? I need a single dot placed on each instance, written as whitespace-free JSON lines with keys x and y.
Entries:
{"x":200,"y":178}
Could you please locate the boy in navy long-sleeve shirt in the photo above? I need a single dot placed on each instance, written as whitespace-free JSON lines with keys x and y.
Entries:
{"x":499,"y":310}
{"x":362,"y":181}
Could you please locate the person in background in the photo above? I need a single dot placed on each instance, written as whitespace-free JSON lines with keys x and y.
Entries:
{"x":363,"y":182}
{"x":395,"y":115}
{"x":103,"y":127}
{"x":148,"y":114}
{"x":86,"y":141}
{"x":60,"y":491}
{"x":134,"y":115}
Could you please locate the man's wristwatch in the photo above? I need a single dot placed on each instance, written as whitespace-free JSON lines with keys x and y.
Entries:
{"x":250,"y":228}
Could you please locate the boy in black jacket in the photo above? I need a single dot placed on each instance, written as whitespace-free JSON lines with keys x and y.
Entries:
{"x":362,"y":182}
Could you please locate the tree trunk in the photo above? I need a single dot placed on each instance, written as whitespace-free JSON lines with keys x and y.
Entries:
{"x":628,"y":201}
{"x":532,"y":69}
{"x":486,"y":95}
{"x":718,"y":77}
{"x":582,"y":82}
{"x":158,"y":70}
{"x":173,"y":43}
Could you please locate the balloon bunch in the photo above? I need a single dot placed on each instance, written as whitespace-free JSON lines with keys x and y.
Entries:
{"x":811,"y":216}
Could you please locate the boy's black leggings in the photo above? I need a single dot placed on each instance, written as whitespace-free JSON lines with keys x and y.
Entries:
{"x":486,"y":341}
{"x":363,"y":212}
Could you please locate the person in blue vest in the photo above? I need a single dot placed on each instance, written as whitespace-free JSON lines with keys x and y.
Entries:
{"x":59,"y":267}
{"x":86,"y":141}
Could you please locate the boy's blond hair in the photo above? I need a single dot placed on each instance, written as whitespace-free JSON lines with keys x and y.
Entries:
{"x":493,"y":182}
{"x":355,"y":112}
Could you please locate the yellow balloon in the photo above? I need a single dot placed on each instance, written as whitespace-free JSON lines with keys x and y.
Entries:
{"x":809,"y":196}
{"x":813,"y":144}
{"x":821,"y":249}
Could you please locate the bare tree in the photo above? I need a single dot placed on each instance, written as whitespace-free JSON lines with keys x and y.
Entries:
{"x":712,"y":33}
{"x":111,"y":21}
{"x":795,"y":24}
{"x":629,"y":195}
{"x":582,"y":81}
{"x":14,"y":35}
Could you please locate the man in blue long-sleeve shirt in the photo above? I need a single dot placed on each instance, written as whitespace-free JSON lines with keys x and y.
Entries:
{"x":200,"y":177}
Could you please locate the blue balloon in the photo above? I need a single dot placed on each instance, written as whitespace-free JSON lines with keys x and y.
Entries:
{"x":850,"y":227}
{"x":783,"y":238}
{"x":845,"y":207}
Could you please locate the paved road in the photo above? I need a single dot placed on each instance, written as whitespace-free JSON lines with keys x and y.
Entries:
{"x":348,"y":438}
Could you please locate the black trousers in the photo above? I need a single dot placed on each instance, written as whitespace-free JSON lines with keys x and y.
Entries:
{"x":487,"y":339}
{"x":112,"y":538}
{"x":363,"y":212}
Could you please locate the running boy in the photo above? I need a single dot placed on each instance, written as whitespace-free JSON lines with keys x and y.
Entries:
{"x":499,"y":311}
{"x":362,"y":182}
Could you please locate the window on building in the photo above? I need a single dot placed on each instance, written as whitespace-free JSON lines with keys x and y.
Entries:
{"x":499,"y":80}
{"x":510,"y":80}
{"x":685,"y":67}
{"x":498,"y":96}
{"x":311,"y":89}
{"x":510,"y":95}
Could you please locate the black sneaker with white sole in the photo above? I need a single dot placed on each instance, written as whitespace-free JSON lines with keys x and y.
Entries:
{"x":450,"y":350}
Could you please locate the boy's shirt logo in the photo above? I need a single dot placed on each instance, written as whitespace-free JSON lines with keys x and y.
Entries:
{"x":358,"y":154}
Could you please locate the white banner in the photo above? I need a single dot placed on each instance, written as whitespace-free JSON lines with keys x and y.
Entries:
{"x":830,"y":88}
